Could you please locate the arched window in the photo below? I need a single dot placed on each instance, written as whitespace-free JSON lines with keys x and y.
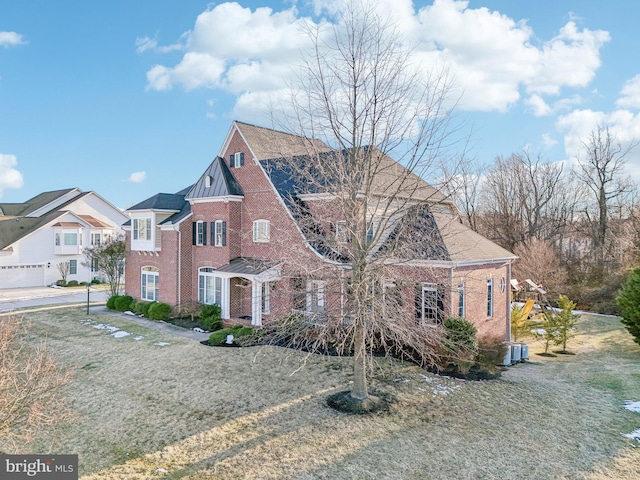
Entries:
{"x":149,"y":284}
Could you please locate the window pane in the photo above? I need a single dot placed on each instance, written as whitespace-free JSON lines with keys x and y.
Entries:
{"x":71,"y":239}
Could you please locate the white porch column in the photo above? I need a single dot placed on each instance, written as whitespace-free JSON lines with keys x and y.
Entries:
{"x":226,"y":298}
{"x":256,"y":303}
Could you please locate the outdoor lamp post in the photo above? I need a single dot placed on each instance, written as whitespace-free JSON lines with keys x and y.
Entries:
{"x":88,"y":290}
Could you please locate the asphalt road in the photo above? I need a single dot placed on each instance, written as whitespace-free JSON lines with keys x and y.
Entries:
{"x":20,"y":299}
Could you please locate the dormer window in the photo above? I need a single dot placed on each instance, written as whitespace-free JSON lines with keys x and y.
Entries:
{"x":236,"y":160}
{"x":142,"y":229}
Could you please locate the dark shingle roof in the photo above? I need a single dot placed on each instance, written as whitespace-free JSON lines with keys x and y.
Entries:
{"x":171,"y":202}
{"x":216,"y":181}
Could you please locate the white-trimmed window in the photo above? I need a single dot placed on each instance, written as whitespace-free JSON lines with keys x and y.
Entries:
{"x":73,"y":267}
{"x":266,"y":297}
{"x":261,"y":231}
{"x":209,"y":287}
{"x":236,"y":160}
{"x":149,"y":284}
{"x":342,"y":234}
{"x":72,"y":239}
{"x":489,"y":297}
{"x":200,"y":233}
{"x":461,"y":300}
{"x":142,"y":229}
{"x":429,"y":303}
{"x":315,"y":296}
{"x":219,"y":233}
{"x":208,"y":180}
{"x":96,"y":239}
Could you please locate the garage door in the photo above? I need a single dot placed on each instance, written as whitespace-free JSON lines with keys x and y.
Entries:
{"x":21,"y":276}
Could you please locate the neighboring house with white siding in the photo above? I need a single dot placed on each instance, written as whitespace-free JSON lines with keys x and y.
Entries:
{"x":52,"y":228}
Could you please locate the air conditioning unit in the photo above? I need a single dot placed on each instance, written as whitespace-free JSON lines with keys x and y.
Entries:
{"x":506,"y":361}
{"x":516,"y":352}
{"x":524,"y":352}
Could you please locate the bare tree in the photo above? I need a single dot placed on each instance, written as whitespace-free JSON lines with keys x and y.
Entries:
{"x":540,"y":262}
{"x":365,"y":212}
{"x":464,"y":186}
{"x":601,"y":168}
{"x":108,"y":258}
{"x":31,"y":385}
{"x":526,"y":198}
{"x":63,"y":268}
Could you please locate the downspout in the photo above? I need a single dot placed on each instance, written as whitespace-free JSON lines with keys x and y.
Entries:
{"x":177,"y":227}
{"x":508,"y":302}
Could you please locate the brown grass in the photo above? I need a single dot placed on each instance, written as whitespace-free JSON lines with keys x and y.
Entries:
{"x":199,"y":412}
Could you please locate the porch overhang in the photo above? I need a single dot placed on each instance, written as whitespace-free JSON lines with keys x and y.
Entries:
{"x":255,"y":270}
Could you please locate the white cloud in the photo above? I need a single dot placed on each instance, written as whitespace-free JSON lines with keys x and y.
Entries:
{"x":11,"y":39}
{"x":145,"y":43}
{"x":538,"y":106}
{"x":630,"y":94}
{"x":137,"y":177}
{"x":493,"y":57}
{"x":548,"y":141}
{"x":9,"y":176}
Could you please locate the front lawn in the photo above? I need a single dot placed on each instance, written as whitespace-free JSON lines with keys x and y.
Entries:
{"x":151,"y":405}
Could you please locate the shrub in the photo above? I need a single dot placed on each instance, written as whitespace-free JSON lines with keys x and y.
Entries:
{"x":491,"y":351}
{"x":210,"y":316}
{"x":61,"y":283}
{"x":72,"y":283}
{"x":566,"y":321}
{"x":123,"y":303}
{"x":460,"y":336}
{"x":159,"y":311}
{"x":95,"y":281}
{"x":142,"y":308}
{"x":216,"y":338}
{"x":111,"y":302}
{"x":628,"y":300}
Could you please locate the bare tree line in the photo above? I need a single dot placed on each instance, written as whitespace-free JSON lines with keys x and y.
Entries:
{"x":574,"y":222}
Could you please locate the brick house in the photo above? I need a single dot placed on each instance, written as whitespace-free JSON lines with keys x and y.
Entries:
{"x":237,"y":237}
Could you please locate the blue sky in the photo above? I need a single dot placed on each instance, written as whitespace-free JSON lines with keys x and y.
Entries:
{"x":131,"y":98}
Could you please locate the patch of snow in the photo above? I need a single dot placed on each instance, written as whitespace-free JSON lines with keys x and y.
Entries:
{"x":104,"y":326}
{"x":635,"y":435}
{"x":120,"y":334}
{"x":198,"y":329}
{"x":160,"y":470}
{"x":129,"y":312}
{"x":138,"y":337}
{"x":632,"y":406}
{"x":539,"y":331}
{"x":403,"y":380}
{"x":162,"y":344}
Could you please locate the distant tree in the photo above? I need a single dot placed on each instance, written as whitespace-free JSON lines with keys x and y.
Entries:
{"x":525,"y":198}
{"x":31,"y":384}
{"x":64,"y":268}
{"x":464,"y":186}
{"x":108,"y":258}
{"x":540,"y":262}
{"x":601,"y":170}
{"x":629,"y":301}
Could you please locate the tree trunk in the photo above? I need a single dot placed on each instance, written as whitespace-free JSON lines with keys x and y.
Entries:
{"x":359,"y":389}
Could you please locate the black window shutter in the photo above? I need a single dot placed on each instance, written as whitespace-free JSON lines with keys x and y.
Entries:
{"x":418,"y":301}
{"x":212,"y":235}
{"x":204,"y":233}
{"x":241,"y":159}
{"x":232,"y":160}
{"x":194,"y":226}
{"x":224,"y":234}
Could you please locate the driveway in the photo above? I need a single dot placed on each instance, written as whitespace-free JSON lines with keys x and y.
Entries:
{"x":21,"y":299}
